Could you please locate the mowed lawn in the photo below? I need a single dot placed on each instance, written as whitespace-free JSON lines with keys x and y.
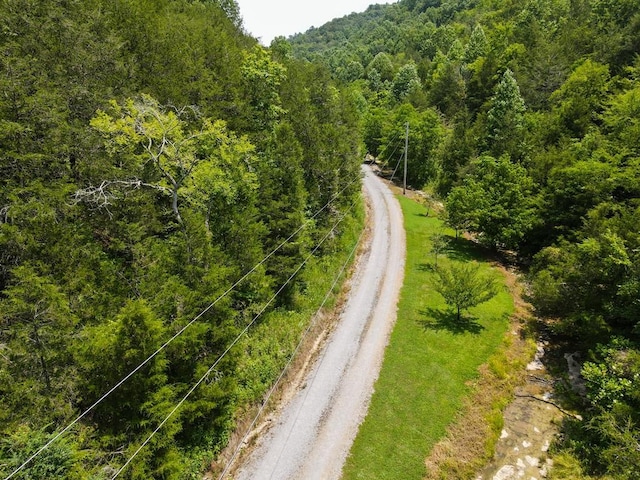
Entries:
{"x":428,"y":362}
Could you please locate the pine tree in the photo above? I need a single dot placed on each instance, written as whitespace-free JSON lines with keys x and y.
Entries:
{"x":505,"y":119}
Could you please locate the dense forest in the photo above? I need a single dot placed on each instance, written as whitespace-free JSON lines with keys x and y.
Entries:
{"x":524,"y":119}
{"x":152,"y":156}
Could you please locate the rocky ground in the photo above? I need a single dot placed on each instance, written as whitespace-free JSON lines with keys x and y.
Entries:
{"x":530,"y":426}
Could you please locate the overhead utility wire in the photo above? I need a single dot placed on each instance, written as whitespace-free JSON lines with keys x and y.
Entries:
{"x":265,"y":401}
{"x":394,"y":150}
{"x":396,"y":169}
{"x":196,"y":318}
{"x":237,"y":339}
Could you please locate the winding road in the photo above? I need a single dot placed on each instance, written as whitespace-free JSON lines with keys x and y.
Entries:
{"x":313,"y":433}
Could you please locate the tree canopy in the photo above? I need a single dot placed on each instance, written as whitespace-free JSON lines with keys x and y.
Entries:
{"x":151,"y":154}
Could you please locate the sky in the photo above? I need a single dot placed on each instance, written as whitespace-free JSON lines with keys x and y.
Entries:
{"x":266,"y":19}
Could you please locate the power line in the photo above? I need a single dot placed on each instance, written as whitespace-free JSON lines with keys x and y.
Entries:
{"x":196,"y":318}
{"x":293,"y":355}
{"x":246,"y":329}
{"x":396,"y":138}
{"x":396,"y":169}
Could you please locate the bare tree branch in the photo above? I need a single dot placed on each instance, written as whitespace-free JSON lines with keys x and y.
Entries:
{"x":101,"y":196}
{"x":4,"y":214}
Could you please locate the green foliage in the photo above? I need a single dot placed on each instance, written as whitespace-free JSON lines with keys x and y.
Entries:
{"x":382,"y":64}
{"x":614,"y":380}
{"x":111,"y":350}
{"x":406,"y":82}
{"x":494,"y":201}
{"x":447,"y":87}
{"x":606,"y":442}
{"x":439,"y":245}
{"x":505,"y":119}
{"x":36,"y":321}
{"x":262,"y":77}
{"x":463,"y":286}
{"x":580,"y":99}
{"x":587,"y":283}
{"x":150,"y":155}
{"x":55,"y":463}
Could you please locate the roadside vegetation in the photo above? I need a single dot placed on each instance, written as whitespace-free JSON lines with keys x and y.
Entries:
{"x":432,"y":357}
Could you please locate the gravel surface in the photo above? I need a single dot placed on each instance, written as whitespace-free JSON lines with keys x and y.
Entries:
{"x":311,"y":437}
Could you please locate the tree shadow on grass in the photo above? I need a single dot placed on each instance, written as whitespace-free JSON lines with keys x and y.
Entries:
{"x":465,"y":250}
{"x":426,"y":267}
{"x":437,"y":319}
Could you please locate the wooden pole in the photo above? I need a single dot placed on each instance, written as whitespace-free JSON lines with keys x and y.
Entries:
{"x":406,"y":150}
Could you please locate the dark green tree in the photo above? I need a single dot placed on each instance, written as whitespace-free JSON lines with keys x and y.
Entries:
{"x":579,"y":101}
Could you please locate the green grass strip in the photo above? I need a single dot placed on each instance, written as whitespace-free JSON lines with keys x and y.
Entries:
{"x":428,"y":362}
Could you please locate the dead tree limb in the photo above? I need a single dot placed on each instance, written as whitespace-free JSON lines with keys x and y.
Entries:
{"x":101,"y":196}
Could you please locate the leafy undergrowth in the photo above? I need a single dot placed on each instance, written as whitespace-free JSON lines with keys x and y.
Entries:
{"x":430,"y":361}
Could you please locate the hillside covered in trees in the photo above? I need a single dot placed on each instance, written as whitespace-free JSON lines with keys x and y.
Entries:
{"x":151,"y":156}
{"x":525,"y":118}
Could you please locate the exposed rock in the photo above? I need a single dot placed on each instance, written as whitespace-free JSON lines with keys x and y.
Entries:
{"x":529,"y":429}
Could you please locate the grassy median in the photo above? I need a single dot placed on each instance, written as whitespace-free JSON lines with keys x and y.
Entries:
{"x":429,"y":362}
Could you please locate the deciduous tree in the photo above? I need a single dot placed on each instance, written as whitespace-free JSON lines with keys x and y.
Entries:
{"x":463,"y":285}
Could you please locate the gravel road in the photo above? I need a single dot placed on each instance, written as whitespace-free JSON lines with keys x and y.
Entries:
{"x":311,"y":437}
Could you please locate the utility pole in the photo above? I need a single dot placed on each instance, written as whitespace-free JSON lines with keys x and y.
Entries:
{"x":406,"y":149}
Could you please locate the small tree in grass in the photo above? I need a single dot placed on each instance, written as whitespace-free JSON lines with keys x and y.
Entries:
{"x":464,"y":286}
{"x":439,"y":244}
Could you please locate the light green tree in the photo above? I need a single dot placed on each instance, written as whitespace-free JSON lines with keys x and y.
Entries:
{"x":262,"y":77}
{"x":383,"y":64}
{"x":494,"y":201}
{"x":439,"y":245}
{"x":477,"y":46}
{"x":463,"y":204}
{"x":165,"y":152}
{"x":406,"y":82}
{"x":463,"y":286}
